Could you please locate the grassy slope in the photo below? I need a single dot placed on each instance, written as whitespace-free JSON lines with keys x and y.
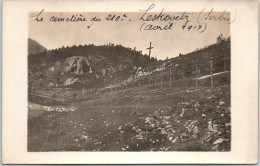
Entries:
{"x":146,"y":118}
{"x":145,"y":124}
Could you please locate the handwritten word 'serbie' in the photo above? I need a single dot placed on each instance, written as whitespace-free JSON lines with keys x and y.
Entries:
{"x":210,"y":16}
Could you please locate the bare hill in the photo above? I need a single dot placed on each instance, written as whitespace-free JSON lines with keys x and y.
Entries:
{"x":34,"y":47}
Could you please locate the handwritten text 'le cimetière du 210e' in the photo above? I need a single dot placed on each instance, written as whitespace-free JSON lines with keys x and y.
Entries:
{"x":150,"y":21}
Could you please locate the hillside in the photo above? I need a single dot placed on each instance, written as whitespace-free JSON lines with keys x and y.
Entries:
{"x":87,"y":66}
{"x":103,"y":98}
{"x":34,"y":47}
{"x":95,"y":67}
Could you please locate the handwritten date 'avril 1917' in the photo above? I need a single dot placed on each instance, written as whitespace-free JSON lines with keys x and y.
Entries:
{"x":168,"y":26}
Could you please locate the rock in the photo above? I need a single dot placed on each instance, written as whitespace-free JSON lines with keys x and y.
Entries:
{"x":182,"y":112}
{"x":228,"y":110}
{"x":167,"y":117}
{"x":119,"y":128}
{"x":183,"y":135}
{"x":77,"y":65}
{"x":215,"y":148}
{"x":203,"y":115}
{"x":219,"y":141}
{"x":120,"y":68}
{"x":103,"y":71}
{"x":43,"y":64}
{"x":175,"y":140}
{"x":52,"y":68}
{"x":195,"y":130}
{"x":196,"y":104}
{"x":51,"y":85}
{"x":71,"y":81}
{"x":227,"y":125}
{"x":221,"y":103}
{"x":212,"y":127}
{"x":84,"y":137}
{"x":111,"y":69}
{"x":97,"y":76}
{"x":222,"y":115}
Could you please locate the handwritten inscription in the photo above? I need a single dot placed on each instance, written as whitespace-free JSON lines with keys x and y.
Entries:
{"x":148,"y":19}
{"x":210,"y":16}
{"x":163,"y":17}
{"x":37,"y":16}
{"x":73,"y":18}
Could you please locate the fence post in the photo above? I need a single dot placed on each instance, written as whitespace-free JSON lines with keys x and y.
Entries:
{"x":161,"y":81}
{"x":211,"y":72}
{"x":170,"y":77}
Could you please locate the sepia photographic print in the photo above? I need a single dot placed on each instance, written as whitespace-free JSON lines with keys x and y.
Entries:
{"x":141,"y":81}
{"x":130,"y":82}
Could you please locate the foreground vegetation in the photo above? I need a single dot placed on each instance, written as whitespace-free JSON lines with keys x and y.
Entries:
{"x":187,"y":120}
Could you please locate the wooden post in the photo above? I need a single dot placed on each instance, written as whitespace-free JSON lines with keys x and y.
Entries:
{"x":211,"y":72}
{"x":225,"y":62}
{"x":161,"y":81}
{"x":170,"y":77}
{"x":83,"y":92}
{"x":149,"y":78}
{"x":196,"y":72}
{"x":182,"y":76}
{"x":196,"y":76}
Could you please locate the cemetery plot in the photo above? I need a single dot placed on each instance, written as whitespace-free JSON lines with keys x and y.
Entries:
{"x":189,"y":120}
{"x":178,"y":104}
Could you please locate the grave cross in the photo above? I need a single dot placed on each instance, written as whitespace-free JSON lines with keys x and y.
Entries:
{"x":196,"y":72}
{"x":161,"y":81}
{"x":150,"y":48}
{"x":181,"y":73}
{"x":225,"y":62}
{"x":171,"y":76}
{"x":211,"y":71}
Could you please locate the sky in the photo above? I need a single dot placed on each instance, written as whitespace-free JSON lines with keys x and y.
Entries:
{"x":166,"y":43}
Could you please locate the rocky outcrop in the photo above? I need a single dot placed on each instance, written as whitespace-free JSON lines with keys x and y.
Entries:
{"x":71,"y":81}
{"x":77,"y":65}
{"x":103,"y":71}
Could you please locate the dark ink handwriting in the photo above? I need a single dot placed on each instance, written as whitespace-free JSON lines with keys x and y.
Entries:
{"x":210,"y":16}
{"x":95,"y":19}
{"x":37,"y":16}
{"x":73,"y":18}
{"x":114,"y":17}
{"x":150,"y":27}
{"x":162,"y":16}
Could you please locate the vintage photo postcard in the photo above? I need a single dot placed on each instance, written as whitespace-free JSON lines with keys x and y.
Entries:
{"x":132,"y":82}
